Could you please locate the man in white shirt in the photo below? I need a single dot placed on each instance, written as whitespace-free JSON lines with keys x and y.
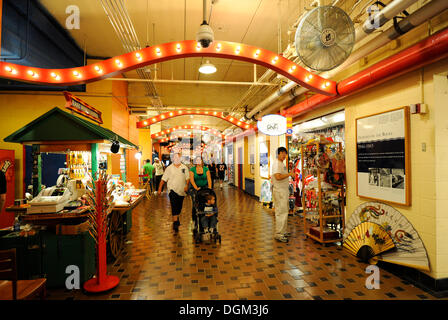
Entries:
{"x":280,"y":194}
{"x":176,"y":176}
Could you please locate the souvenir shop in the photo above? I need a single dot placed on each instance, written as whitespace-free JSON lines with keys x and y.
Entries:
{"x":316,"y":154}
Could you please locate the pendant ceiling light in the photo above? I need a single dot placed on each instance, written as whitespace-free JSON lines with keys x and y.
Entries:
{"x":207,"y":68}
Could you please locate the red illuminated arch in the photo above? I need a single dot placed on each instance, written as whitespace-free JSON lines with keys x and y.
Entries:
{"x":187,"y":127}
{"x":164,"y":52}
{"x":185,"y":112}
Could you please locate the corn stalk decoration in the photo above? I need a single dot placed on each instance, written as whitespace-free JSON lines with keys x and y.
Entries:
{"x":101,"y":202}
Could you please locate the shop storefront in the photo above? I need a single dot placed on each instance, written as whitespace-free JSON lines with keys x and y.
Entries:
{"x":316,"y":154}
{"x":58,"y":215}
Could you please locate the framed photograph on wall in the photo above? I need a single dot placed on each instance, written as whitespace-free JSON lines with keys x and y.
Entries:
{"x":383,"y":156}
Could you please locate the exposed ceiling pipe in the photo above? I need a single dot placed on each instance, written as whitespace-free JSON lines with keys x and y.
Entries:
{"x":269,"y":73}
{"x":430,"y":50}
{"x":415,"y":19}
{"x":125,"y":31}
{"x":418,"y":17}
{"x":284,"y":99}
{"x":381,"y":17}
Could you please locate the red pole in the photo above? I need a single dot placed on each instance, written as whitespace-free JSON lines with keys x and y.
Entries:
{"x":102,"y":282}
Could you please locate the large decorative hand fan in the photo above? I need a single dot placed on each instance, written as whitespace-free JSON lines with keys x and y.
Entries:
{"x":325,"y":38}
{"x":409,"y":249}
{"x":367,"y":240}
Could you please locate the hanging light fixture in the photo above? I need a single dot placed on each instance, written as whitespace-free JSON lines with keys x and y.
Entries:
{"x":207,"y":68}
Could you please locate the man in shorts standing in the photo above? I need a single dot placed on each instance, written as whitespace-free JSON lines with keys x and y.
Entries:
{"x":176,"y":176}
{"x":280,"y":194}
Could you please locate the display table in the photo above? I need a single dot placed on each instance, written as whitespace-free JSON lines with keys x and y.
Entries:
{"x":120,"y":223}
{"x":50,"y":219}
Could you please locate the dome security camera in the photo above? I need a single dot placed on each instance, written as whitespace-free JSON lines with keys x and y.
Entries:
{"x":205,"y":35}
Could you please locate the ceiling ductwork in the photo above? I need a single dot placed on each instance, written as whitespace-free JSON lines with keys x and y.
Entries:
{"x":374,"y":22}
{"x":124,"y":29}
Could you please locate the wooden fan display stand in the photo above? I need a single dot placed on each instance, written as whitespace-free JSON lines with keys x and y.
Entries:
{"x":102,"y":281}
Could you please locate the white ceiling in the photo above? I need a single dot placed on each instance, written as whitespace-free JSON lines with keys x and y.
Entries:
{"x":253,"y":22}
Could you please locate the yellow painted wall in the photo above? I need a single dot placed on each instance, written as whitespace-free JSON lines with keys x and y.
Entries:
{"x":441,"y":170}
{"x":428,"y":189}
{"x":19,"y":108}
{"x":145,"y":143}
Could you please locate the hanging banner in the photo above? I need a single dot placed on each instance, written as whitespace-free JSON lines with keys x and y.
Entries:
{"x":81,"y":107}
{"x":272,"y":125}
{"x":383,"y":156}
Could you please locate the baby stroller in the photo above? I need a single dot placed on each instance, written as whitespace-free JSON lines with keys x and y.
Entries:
{"x":199,"y":199}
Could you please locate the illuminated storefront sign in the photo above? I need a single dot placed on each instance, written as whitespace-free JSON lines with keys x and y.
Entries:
{"x":272,"y":125}
{"x":83,"y":108}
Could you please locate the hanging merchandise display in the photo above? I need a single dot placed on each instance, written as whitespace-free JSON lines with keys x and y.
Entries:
{"x":323,"y":191}
{"x":329,"y":128}
{"x":78,"y":164}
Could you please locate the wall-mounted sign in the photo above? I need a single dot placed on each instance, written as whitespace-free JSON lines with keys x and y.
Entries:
{"x":383,"y":168}
{"x":272,"y":125}
{"x":83,"y":108}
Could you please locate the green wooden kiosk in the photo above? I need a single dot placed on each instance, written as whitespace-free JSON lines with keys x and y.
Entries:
{"x":58,"y":131}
